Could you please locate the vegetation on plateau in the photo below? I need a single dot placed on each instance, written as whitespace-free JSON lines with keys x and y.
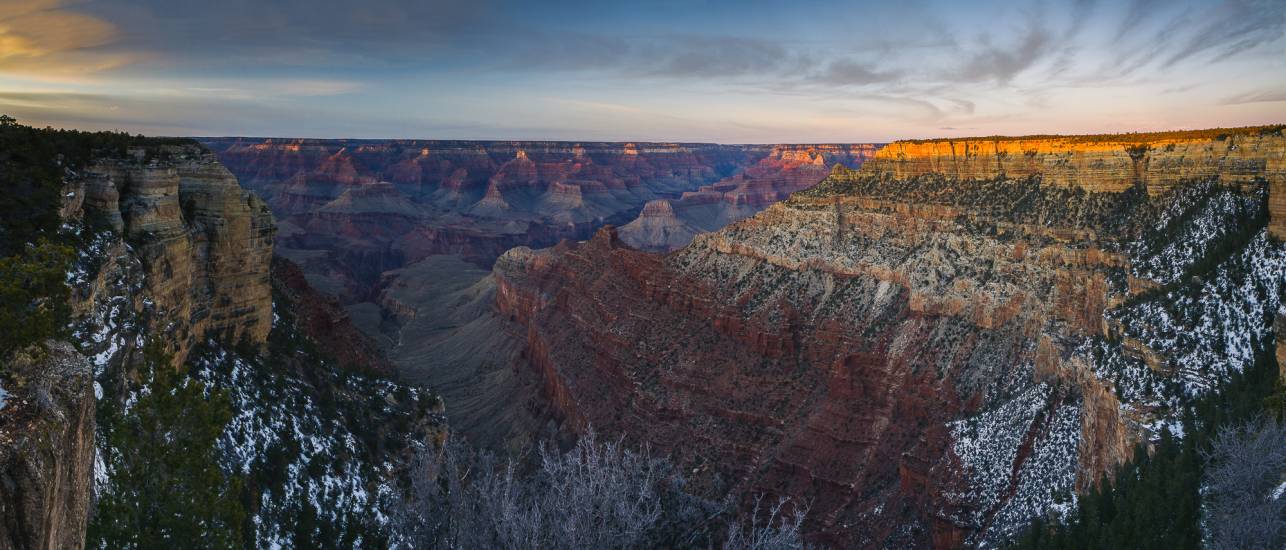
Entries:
{"x":34,"y":253}
{"x":1233,"y":445}
{"x":1132,"y":137}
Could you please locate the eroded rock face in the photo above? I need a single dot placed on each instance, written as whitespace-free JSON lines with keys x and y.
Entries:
{"x":925,"y":350}
{"x":46,"y":449}
{"x":204,"y":245}
{"x":323,"y":320}
{"x":1108,"y":163}
{"x":671,"y":224}
{"x":354,"y":209}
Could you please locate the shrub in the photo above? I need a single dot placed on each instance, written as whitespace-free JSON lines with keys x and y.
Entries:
{"x":166,"y":486}
{"x":596,"y":495}
{"x":33,"y":295}
{"x":1245,"y":507}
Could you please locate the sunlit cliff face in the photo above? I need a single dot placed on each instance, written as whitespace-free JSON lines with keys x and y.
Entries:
{"x":813,"y":71}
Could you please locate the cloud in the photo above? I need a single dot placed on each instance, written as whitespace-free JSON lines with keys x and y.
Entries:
{"x":38,"y":37}
{"x":716,"y":56}
{"x":843,"y":72}
{"x":1001,"y":63}
{"x":1233,"y":27}
{"x":529,"y":48}
{"x":313,"y":88}
{"x":1135,"y":14}
{"x":1261,"y":96}
{"x":294,"y":32}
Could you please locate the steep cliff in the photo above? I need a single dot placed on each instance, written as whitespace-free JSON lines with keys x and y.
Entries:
{"x":177,"y":268}
{"x":178,"y":387}
{"x":200,"y":243}
{"x":930,"y":349}
{"x":46,"y":448}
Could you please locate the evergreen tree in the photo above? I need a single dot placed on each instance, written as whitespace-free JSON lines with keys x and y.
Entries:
{"x":166,"y":485}
{"x":33,"y":295}
{"x":1155,"y":500}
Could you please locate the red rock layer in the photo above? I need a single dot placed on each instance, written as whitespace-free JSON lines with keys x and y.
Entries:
{"x":827,"y":348}
{"x":325,"y":322}
{"x":773,"y":403}
{"x":787,"y":169}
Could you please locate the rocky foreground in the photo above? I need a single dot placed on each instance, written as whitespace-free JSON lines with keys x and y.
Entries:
{"x":933,"y":349}
{"x":190,"y":356}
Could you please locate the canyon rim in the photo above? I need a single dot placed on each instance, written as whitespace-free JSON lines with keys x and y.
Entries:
{"x":766,"y":275}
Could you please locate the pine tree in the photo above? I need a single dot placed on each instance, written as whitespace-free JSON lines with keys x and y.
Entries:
{"x":166,"y":487}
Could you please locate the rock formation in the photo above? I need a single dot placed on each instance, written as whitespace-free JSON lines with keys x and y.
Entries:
{"x":180,"y":250}
{"x":204,"y":244}
{"x":170,"y":250}
{"x":786,"y":169}
{"x":323,"y":320}
{"x":353,"y":209}
{"x":46,"y":449}
{"x":927,"y":349}
{"x":658,"y":228}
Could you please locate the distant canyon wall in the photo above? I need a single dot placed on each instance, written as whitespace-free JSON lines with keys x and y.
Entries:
{"x":670,"y":224}
{"x":1105,"y":163}
{"x":351,"y":210}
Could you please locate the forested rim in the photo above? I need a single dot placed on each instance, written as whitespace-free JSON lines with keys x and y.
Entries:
{"x":35,"y":250}
{"x":1232,"y":450}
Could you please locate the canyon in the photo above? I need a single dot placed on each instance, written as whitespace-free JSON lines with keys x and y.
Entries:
{"x":929,"y":346}
{"x":404,"y":233}
{"x":928,"y":350}
{"x":172,"y":267}
{"x":928,"y":343}
{"x":350,"y":210}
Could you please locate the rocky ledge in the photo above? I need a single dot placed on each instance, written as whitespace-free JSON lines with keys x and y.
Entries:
{"x":46,"y":448}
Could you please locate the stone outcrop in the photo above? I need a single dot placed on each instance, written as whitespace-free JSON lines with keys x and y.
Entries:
{"x":203,"y":242}
{"x":1279,"y":328}
{"x":180,"y":252}
{"x":46,"y":449}
{"x":658,"y":228}
{"x":928,"y":348}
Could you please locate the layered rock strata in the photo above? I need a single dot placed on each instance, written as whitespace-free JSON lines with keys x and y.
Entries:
{"x":204,"y":244}
{"x":354,"y":209}
{"x":666,"y":225}
{"x":932,"y":348}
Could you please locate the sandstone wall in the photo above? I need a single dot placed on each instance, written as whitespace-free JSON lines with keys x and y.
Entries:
{"x":1106,"y":163}
{"x":204,"y":243}
{"x":930,"y":355}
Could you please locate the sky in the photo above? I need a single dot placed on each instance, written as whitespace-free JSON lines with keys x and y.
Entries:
{"x":744,"y":71}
